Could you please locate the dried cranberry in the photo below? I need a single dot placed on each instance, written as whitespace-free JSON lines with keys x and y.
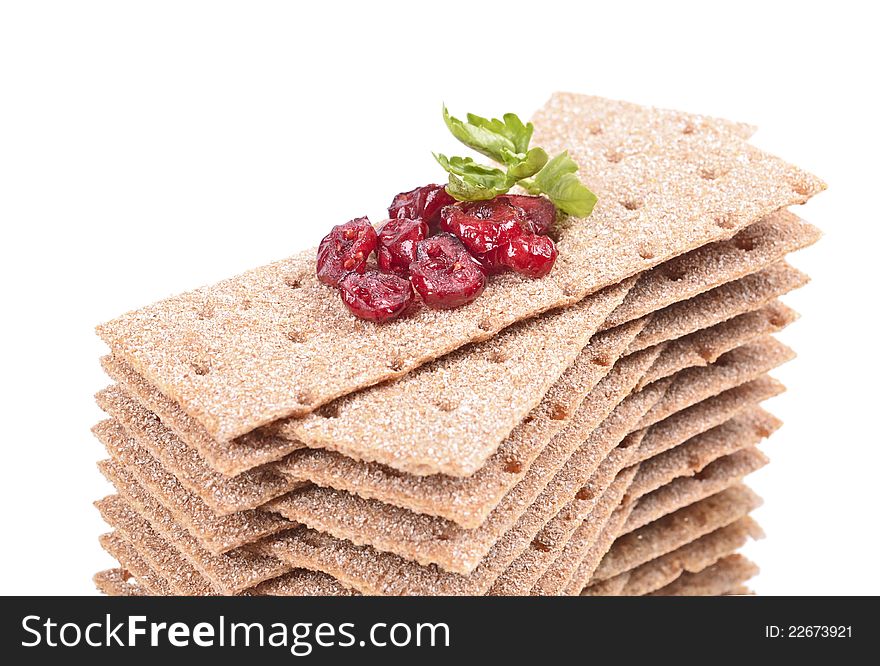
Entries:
{"x":397,"y":244}
{"x":375,"y":296}
{"x":490,"y":261}
{"x":445,"y":275}
{"x":529,"y":254}
{"x":345,"y":249}
{"x":423,"y":203}
{"x":483,"y":225}
{"x":539,"y":211}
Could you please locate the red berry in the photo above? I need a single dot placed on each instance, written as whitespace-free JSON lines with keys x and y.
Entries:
{"x":529,"y":254}
{"x":397,"y":244}
{"x":345,"y":249}
{"x":375,"y":296}
{"x":445,"y":275}
{"x":490,"y":262}
{"x":539,"y":211}
{"x":423,"y":203}
{"x":483,"y":225}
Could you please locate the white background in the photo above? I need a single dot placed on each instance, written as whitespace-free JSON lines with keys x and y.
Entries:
{"x":150,"y":147}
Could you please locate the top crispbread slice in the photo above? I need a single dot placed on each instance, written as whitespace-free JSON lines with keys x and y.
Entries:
{"x":273,"y":342}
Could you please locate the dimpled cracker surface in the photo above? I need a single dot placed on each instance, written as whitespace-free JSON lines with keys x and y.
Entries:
{"x":374,"y":572}
{"x":274,"y":342}
{"x":727,"y":574}
{"x":217,"y":534}
{"x":430,"y":540}
{"x":693,"y":557}
{"x":757,"y":246}
{"x":229,"y":573}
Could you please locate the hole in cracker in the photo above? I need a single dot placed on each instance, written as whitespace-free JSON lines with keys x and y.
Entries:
{"x":558,"y":412}
{"x":570,"y":291}
{"x":725,"y":221}
{"x":396,"y":364}
{"x":744,"y":243}
{"x":595,"y":129}
{"x":763,"y":431}
{"x":540,"y":546}
{"x":614,"y":156}
{"x":328,"y":411}
{"x":295,"y":336}
{"x":485,"y":325}
{"x":201,"y":368}
{"x":602,"y":359}
{"x":689,"y":128}
{"x":646,"y":252}
{"x":707,"y":353}
{"x":446,"y":405}
{"x":695,"y":463}
{"x":513,"y":466}
{"x":632,"y":204}
{"x":498,"y":356}
{"x":711,"y":173}
{"x":776,"y":320}
{"x":206,"y":311}
{"x":293,"y":281}
{"x":305,"y":397}
{"x":585,"y":493}
{"x":801,"y":188}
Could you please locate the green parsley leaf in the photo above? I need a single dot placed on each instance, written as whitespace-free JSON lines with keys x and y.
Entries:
{"x":511,"y":128}
{"x":562,"y":187}
{"x":469,"y":181}
{"x":482,"y":139}
{"x":532,"y":163}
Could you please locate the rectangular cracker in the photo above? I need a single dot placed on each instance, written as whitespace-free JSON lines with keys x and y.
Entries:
{"x":431,"y":540}
{"x":676,"y":529}
{"x":706,"y":346}
{"x":693,"y":557}
{"x":729,"y":573}
{"x":230,"y":573}
{"x":230,"y":354}
{"x":684,"y":491}
{"x":760,"y":245}
{"x":118,"y":583}
{"x":216,"y":534}
{"x":374,"y":572}
{"x":719,"y":304}
{"x":135,"y":565}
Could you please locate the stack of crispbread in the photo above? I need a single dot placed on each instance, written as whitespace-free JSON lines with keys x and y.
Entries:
{"x":585,"y":433}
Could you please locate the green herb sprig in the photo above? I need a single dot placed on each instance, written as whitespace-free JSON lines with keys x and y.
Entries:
{"x":506,"y":141}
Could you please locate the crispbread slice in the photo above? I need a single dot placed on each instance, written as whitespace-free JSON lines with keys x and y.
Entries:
{"x":763,"y":244}
{"x":373,"y":572}
{"x":725,"y":302}
{"x":118,"y":583}
{"x":301,"y":583}
{"x":128,"y":557}
{"x":430,"y":540}
{"x":180,"y":575}
{"x":707,"y":345}
{"x":727,"y":574}
{"x":684,"y":491}
{"x":274,"y":343}
{"x":731,"y":369}
{"x":230,"y":573}
{"x":217,"y":534}
{"x":676,"y":529}
{"x":693,"y":557}
{"x":744,"y":430}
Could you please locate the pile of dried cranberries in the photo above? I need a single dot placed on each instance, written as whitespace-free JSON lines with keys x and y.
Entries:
{"x":442,"y":248}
